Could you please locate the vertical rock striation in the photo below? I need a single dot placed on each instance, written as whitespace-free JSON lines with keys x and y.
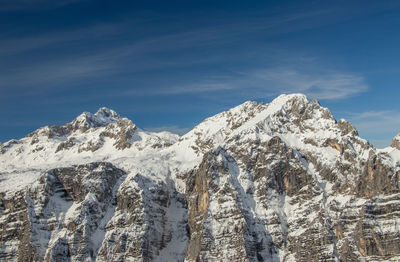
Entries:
{"x":282,"y":181}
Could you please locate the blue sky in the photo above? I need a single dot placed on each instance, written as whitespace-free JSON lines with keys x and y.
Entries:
{"x":166,"y":65}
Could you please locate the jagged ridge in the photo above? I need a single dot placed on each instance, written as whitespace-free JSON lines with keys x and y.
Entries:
{"x":282,"y":181}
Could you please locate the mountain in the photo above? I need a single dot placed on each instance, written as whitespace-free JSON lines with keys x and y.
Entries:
{"x":282,"y":181}
{"x":396,"y":141}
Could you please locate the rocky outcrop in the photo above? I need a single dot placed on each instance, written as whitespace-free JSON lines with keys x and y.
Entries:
{"x":377,"y":179}
{"x":280,"y":210}
{"x":4,"y":147}
{"x":137,"y":229}
{"x":15,"y":229}
{"x":61,"y":215}
{"x":396,"y":141}
{"x":122,"y":132}
{"x":82,"y":123}
{"x":221,"y":224}
{"x":282,"y":181}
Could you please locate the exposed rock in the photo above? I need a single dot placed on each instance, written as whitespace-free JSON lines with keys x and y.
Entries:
{"x":377,"y":178}
{"x":282,"y":181}
{"x":122,"y":132}
{"x":82,"y":123}
{"x":60,"y":215}
{"x":7,"y":145}
{"x":91,"y":145}
{"x":221,"y":226}
{"x":66,"y":144}
{"x":15,"y":229}
{"x":347,"y":128}
{"x":396,"y":141}
{"x":334,"y":144}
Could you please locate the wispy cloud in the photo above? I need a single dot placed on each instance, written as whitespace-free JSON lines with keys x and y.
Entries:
{"x":270,"y":81}
{"x":16,"y":5}
{"x":11,"y":45}
{"x":375,"y":114}
{"x":320,"y":84}
{"x":190,"y":88}
{"x":377,"y":125}
{"x":45,"y":75}
{"x":131,"y":54}
{"x":63,"y":63}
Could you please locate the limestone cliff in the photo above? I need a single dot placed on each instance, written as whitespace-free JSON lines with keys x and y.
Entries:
{"x":282,"y":181}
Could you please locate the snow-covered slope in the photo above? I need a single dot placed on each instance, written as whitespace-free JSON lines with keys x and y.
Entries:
{"x":282,"y":181}
{"x":102,"y":136}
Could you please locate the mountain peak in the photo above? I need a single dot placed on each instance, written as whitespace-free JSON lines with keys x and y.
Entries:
{"x":284,"y":116}
{"x":106,"y":112}
{"x":288,"y":97}
{"x":85,"y":121}
{"x":396,"y":141}
{"x":102,"y":117}
{"x":286,"y":172}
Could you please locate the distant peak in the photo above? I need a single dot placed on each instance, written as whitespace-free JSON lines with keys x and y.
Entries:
{"x":287,"y":102}
{"x":287,"y":97}
{"x":396,"y":141}
{"x":106,"y":112}
{"x":276,"y":104}
{"x":102,"y":117}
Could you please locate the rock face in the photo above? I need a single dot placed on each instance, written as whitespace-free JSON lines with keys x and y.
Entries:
{"x":62,"y":213}
{"x":282,"y":181}
{"x":396,"y":141}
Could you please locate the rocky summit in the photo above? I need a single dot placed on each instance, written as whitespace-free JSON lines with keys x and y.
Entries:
{"x":282,"y":181}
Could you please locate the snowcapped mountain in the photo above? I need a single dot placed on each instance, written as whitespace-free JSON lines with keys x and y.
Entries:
{"x":282,"y":181}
